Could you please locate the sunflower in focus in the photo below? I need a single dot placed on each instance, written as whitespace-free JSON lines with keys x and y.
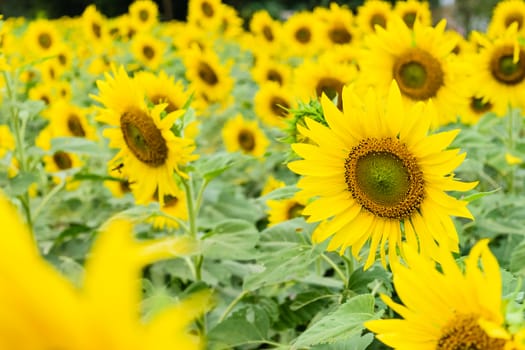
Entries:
{"x":162,"y":88}
{"x":148,"y":149}
{"x":498,"y":69}
{"x":207,"y":74}
{"x":144,"y":14}
{"x":104,"y":312}
{"x":373,"y":13}
{"x":302,"y":34}
{"x":42,"y":37}
{"x":504,"y":14}
{"x":421,"y":62}
{"x":412,"y":10}
{"x":446,"y":308}
{"x":379,"y":176}
{"x":272,"y":103}
{"x":246,"y":136}
{"x":148,"y":50}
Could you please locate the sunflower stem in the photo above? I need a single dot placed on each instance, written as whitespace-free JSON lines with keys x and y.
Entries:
{"x":230,"y":307}
{"x":510,"y":144}
{"x":46,"y":199}
{"x":336,"y":269}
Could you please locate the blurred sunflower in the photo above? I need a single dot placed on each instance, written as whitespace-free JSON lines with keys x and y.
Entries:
{"x":7,"y":140}
{"x":372,"y":13}
{"x":207,"y":75}
{"x":148,"y":50}
{"x":338,"y":23}
{"x":117,"y":188}
{"x":446,"y":308}
{"x":231,"y":23}
{"x":174,"y":208}
{"x":245,"y":136}
{"x":265,"y":28}
{"x":379,"y":176}
{"x":104,"y":312}
{"x":498,"y":69}
{"x":302,"y":34}
{"x":161,"y":88}
{"x":205,"y":13}
{"x":504,"y":14}
{"x":281,"y":210}
{"x":42,"y":37}
{"x":144,"y":14}
{"x":412,"y":10}
{"x":67,"y":119}
{"x":187,"y":35}
{"x":267,"y":69}
{"x":95,"y":29}
{"x":272,"y":103}
{"x":149,"y":150}
{"x":421,"y":62}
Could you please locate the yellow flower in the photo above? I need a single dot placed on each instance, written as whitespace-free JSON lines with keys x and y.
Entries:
{"x":512,"y":160}
{"x":373,"y":13}
{"x":42,"y":37}
{"x":302,"y":34}
{"x":149,"y":150}
{"x":245,"y":136}
{"x":7,"y":141}
{"x":379,"y":176}
{"x":504,"y":14}
{"x":270,"y":70}
{"x":338,"y":26}
{"x":174,"y":208}
{"x":144,"y":14}
{"x":95,"y":28}
{"x":66,"y":119}
{"x":412,"y":10}
{"x":161,"y":88}
{"x":446,"y":308}
{"x":280,"y":210}
{"x":266,"y":30}
{"x":148,"y":50}
{"x":104,"y":313}
{"x":271,"y":185}
{"x":272,"y":102}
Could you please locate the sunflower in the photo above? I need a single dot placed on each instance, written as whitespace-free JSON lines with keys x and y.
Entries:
{"x":208,"y":75}
{"x":315,"y":78}
{"x":245,"y":136}
{"x":412,"y":10}
{"x":479,"y":105}
{"x":271,"y":184}
{"x":285,"y":209}
{"x":373,"y":13}
{"x":272,"y":103}
{"x":302,"y":34}
{"x":445,"y":308}
{"x":498,"y":69}
{"x":7,"y":141}
{"x":148,"y":50}
{"x":161,"y":88}
{"x":118,"y":188}
{"x":104,"y":311}
{"x":379,"y":176}
{"x":187,"y":35}
{"x":205,"y":13}
{"x":67,"y":119}
{"x":149,"y":150}
{"x":144,"y":14}
{"x":504,"y":14}
{"x":95,"y":28}
{"x":42,"y":37}
{"x":231,"y":23}
{"x":174,"y":208}
{"x":421,"y":62}
{"x":267,"y":69}
{"x":265,"y":28}
{"x":338,"y":25}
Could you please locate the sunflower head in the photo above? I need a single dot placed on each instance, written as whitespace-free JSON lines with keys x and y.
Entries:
{"x":245,"y":136}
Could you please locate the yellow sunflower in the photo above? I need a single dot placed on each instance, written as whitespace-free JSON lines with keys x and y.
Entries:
{"x":117,"y":188}
{"x":339,"y":27}
{"x":104,"y":312}
{"x":504,"y":14}
{"x":245,"y":136}
{"x":265,"y":28}
{"x":271,"y":184}
{"x":379,"y":176}
{"x":144,"y":14}
{"x":42,"y":37}
{"x":7,"y":141}
{"x":412,"y":10}
{"x":95,"y":28}
{"x":445,"y":308}
{"x":267,"y":69}
{"x":208,"y":75}
{"x":162,"y":88}
{"x":498,"y":69}
{"x":205,"y":13}
{"x":302,"y":34}
{"x":373,"y":13}
{"x":272,"y":103}
{"x":478,"y":105}
{"x":230,"y":22}
{"x":421,"y":62}
{"x":67,"y":119}
{"x":174,"y":208}
{"x":187,"y":35}
{"x":281,"y":210}
{"x":148,"y":50}
{"x":149,"y":150}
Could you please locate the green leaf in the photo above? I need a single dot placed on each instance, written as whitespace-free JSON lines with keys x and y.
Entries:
{"x":231,"y":239}
{"x":479,"y":195}
{"x":360,"y":280}
{"x":517,"y":259}
{"x":356,"y":342}
{"x":213,"y":165}
{"x":77,"y":145}
{"x":343,"y":323}
{"x":20,"y":183}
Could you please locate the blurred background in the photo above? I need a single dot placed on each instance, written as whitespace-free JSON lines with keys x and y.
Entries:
{"x":463,"y":15}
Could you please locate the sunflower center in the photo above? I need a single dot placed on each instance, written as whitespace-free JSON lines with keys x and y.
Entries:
{"x":158,"y":99}
{"x":379,"y":19}
{"x":275,"y":76}
{"x":503,"y":67}
{"x":62,"y":160}
{"x":148,"y":52}
{"x":464,"y":333}
{"x":44,"y":40}
{"x":207,"y":9}
{"x":97,"y":30}
{"x":170,"y":201}
{"x":125,"y":186}
{"x":340,"y":35}
{"x":143,"y":138}
{"x":332,"y":88}
{"x":303,"y":35}
{"x":62,"y":59}
{"x":384,"y":178}
{"x":418,"y":74}
{"x":268,"y":33}
{"x":207,"y":74}
{"x":279,"y":106}
{"x":246,"y":140}
{"x":144,"y":15}
{"x":295,"y":211}
{"x":75,"y":126}
{"x":478,"y":106}
{"x":514,"y":17}
{"x":409,"y":18}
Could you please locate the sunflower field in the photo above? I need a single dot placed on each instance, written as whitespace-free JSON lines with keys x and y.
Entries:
{"x":343,"y":178}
